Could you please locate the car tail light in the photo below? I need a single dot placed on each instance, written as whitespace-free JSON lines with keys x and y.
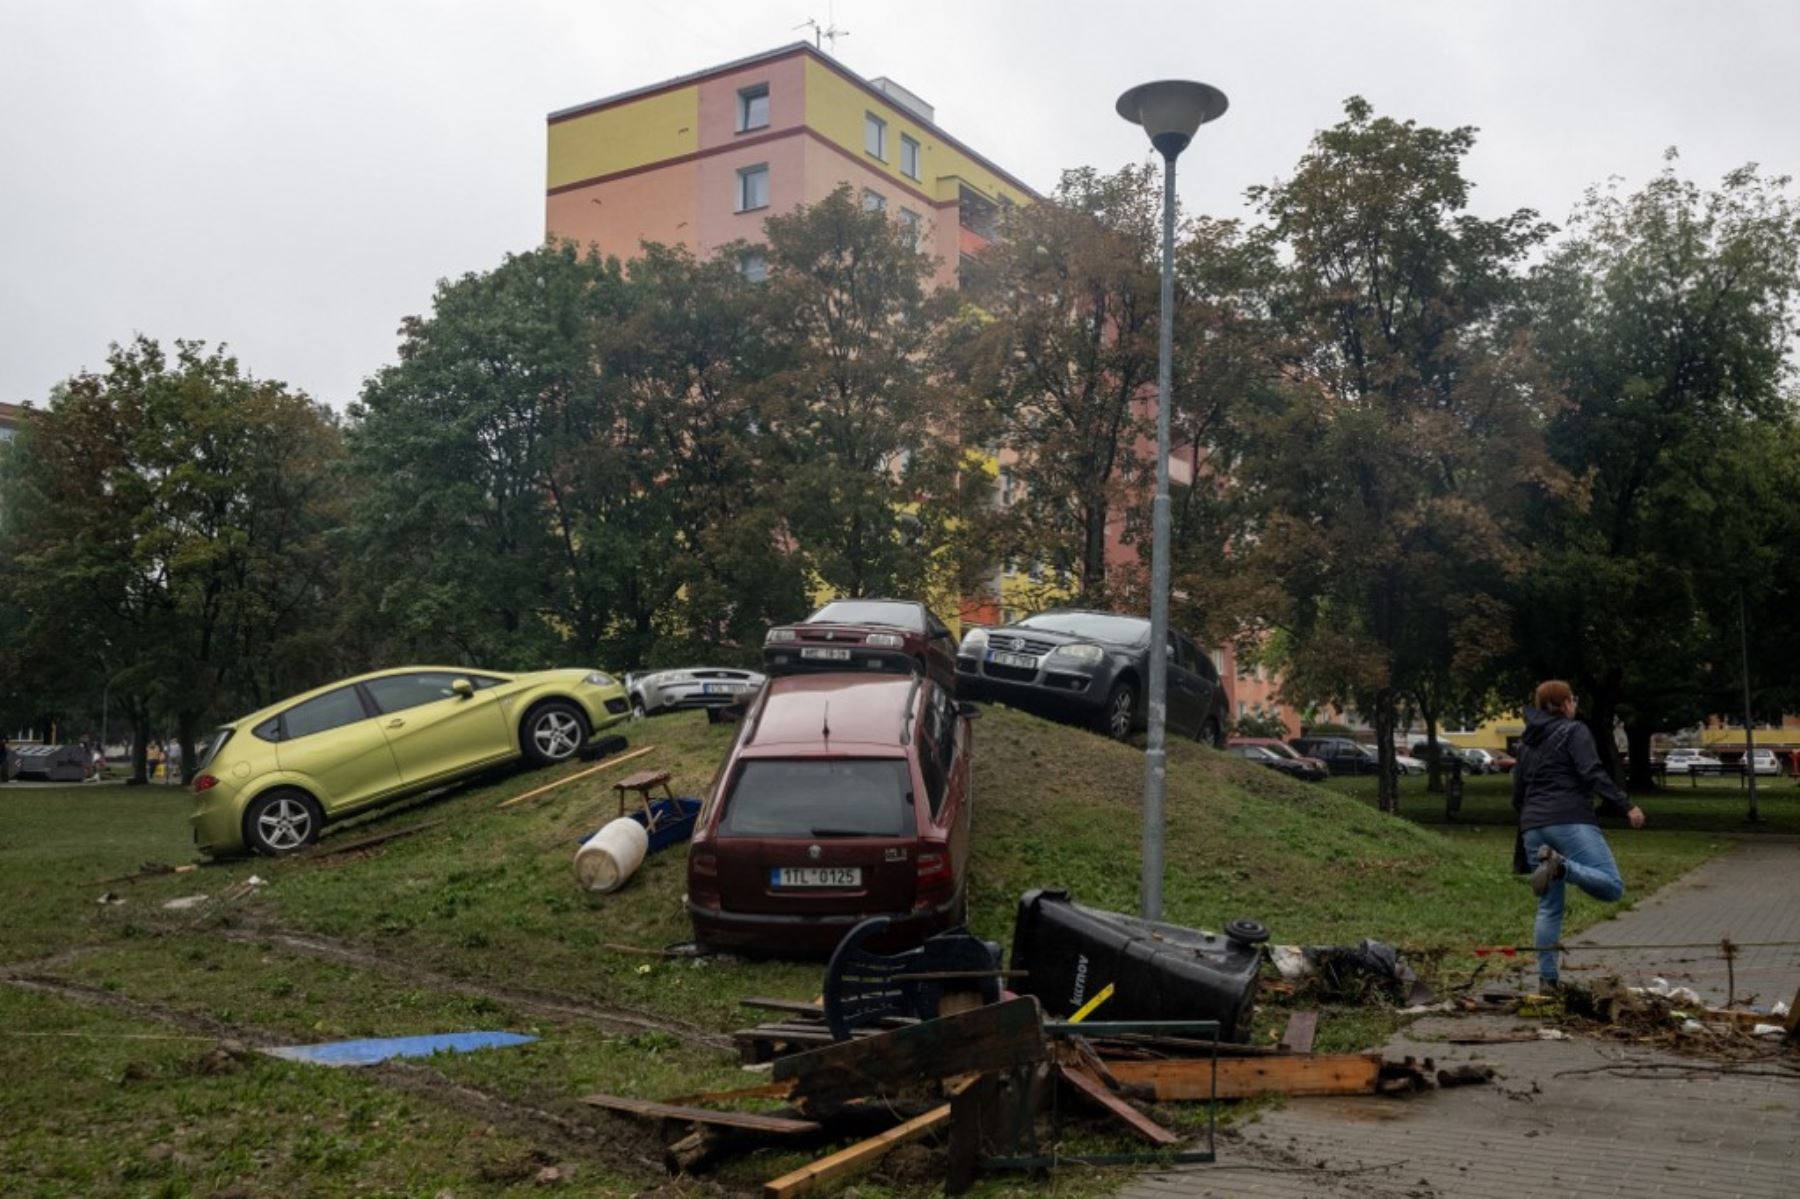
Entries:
{"x":703,"y":879}
{"x":936,"y":875}
{"x":205,"y":782}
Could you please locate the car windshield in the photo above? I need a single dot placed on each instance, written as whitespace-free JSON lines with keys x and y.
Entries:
{"x":820,"y":797}
{"x":1283,"y":751}
{"x":891,"y":613}
{"x":1120,"y":630}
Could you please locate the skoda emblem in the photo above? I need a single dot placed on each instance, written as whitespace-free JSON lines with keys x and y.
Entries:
{"x":813,"y":851}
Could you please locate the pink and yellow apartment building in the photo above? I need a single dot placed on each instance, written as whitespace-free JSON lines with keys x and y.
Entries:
{"x":701,"y":161}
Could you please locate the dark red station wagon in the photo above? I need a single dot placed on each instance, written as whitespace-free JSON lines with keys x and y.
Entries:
{"x":846,"y":796}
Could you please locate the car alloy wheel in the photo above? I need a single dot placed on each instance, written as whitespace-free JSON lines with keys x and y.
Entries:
{"x":556,"y":733}
{"x":284,"y":825}
{"x":1120,"y":711}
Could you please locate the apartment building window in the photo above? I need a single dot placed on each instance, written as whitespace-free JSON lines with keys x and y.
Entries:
{"x":754,"y":266}
{"x":753,"y":187}
{"x":1006,"y":488}
{"x":753,"y":108}
{"x":873,"y":201}
{"x":915,"y":226}
{"x":909,"y":157}
{"x":875,"y":135}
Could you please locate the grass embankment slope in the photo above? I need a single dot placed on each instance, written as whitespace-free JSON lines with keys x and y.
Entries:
{"x":476,"y":923}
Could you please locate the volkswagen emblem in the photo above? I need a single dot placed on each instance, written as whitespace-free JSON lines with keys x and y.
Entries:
{"x":813,"y":852}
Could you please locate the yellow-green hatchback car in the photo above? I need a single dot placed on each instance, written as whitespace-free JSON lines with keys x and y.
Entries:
{"x":270,"y":781}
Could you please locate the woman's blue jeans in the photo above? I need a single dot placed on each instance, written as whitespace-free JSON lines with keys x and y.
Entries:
{"x":1589,"y":864}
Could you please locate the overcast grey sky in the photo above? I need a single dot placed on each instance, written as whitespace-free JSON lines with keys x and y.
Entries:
{"x":292,"y":178}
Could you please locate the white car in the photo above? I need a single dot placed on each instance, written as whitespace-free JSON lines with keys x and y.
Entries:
{"x":1683,"y":761}
{"x":1764,"y":761}
{"x":1407,"y":764}
{"x":657,"y":691}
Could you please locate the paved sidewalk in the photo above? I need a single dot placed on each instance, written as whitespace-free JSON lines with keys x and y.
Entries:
{"x":1541,"y":1129}
{"x":1751,"y":893}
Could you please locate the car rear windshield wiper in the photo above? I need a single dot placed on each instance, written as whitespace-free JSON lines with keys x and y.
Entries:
{"x":844,"y":832}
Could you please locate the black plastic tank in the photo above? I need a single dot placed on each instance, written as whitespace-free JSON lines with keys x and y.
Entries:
{"x":1158,"y":971}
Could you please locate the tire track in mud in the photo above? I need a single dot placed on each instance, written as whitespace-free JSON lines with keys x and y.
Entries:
{"x":565,"y":1134}
{"x":563,"y":1006}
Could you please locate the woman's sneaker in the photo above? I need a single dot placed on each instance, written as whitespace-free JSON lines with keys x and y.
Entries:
{"x":1550,"y":868}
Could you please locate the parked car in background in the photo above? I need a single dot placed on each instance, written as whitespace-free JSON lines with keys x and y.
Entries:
{"x":1482,"y":761}
{"x":1407,"y":765}
{"x":1683,"y":761}
{"x":1504,"y":760}
{"x":844,"y":797}
{"x":1764,"y":761}
{"x":269,"y":781}
{"x":865,"y":634}
{"x":1341,"y":755}
{"x":656,"y":691}
{"x":1294,"y":767}
{"x":1277,"y":747}
{"x":1092,"y":667}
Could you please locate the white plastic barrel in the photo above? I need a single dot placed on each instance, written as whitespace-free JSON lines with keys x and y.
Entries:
{"x":608,"y":859}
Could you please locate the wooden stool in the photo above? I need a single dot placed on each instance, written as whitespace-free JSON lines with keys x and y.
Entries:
{"x":643,"y":782}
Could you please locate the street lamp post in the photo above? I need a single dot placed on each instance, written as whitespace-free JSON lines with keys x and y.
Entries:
{"x":1170,"y":111}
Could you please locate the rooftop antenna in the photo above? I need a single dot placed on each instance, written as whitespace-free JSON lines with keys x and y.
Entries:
{"x":828,"y":32}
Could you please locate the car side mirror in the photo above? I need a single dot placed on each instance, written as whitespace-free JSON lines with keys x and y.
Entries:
{"x":967,"y":710}
{"x":462,"y":687}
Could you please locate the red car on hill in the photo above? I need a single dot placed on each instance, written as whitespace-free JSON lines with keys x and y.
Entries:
{"x":865,"y":634}
{"x":844,"y":797}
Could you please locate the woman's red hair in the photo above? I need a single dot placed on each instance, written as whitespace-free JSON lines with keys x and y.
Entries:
{"x":1553,"y":695}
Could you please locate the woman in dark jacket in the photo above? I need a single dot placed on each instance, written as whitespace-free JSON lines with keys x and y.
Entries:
{"x":1558,"y":776}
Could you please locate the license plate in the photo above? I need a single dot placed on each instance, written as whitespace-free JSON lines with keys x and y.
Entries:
{"x":821,"y":653}
{"x":815,"y":876}
{"x":1021,"y":661}
{"x":723,"y":688}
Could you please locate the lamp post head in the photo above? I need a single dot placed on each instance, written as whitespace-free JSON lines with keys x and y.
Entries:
{"x":1170,"y":110}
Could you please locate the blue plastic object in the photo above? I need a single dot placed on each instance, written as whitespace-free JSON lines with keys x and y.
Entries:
{"x":674,"y":821}
{"x":380,"y":1049}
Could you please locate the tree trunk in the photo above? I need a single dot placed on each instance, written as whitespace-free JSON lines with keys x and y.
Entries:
{"x":185,"y":724}
{"x":1434,"y":765}
{"x":140,"y":748}
{"x":1599,"y":719}
{"x":1389,"y":792}
{"x":1637,"y":747}
{"x":1093,"y":555}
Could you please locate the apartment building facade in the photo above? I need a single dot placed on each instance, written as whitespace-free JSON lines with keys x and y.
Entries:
{"x":702,"y":160}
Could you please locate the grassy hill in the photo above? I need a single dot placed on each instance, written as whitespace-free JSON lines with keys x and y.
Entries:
{"x":476,"y":922}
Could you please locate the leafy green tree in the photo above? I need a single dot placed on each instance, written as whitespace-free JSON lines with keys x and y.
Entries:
{"x":1071,"y":291}
{"x":1667,"y":319}
{"x":171,"y":524}
{"x":868,"y":459}
{"x":684,"y":361}
{"x":510,"y":514}
{"x":1389,"y":464}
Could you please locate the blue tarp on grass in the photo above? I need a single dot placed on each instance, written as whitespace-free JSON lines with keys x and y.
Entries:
{"x":380,"y":1049}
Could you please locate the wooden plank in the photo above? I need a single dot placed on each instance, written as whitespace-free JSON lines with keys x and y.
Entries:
{"x":1141,"y":1126}
{"x":608,"y":764}
{"x":855,"y":1159}
{"x":1301,"y":1029}
{"x":1239,"y":1078}
{"x":1000,"y":1036}
{"x":768,"y":1090}
{"x":699,"y":1115}
{"x":794,"y":1007}
{"x":329,"y":850}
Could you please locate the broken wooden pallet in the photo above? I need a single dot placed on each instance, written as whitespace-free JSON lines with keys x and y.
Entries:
{"x":999,"y":1036}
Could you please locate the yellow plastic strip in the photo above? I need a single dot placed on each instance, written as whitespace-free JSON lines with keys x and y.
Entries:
{"x":1087,"y":1009}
